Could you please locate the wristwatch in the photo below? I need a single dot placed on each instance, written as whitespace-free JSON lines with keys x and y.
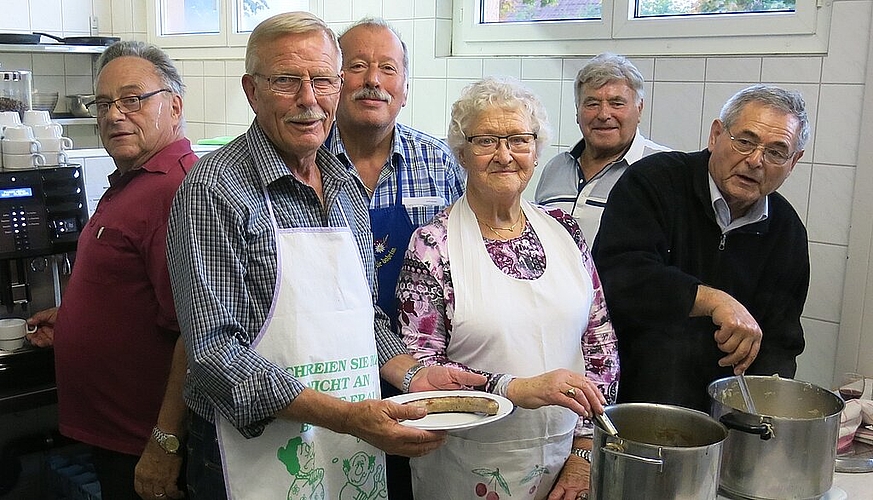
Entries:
{"x":168,"y":442}
{"x":582,"y":453}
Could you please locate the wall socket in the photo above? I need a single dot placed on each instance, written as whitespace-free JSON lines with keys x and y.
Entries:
{"x":94,"y":25}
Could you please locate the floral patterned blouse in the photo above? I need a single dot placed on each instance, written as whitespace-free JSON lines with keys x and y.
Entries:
{"x":427,"y":300}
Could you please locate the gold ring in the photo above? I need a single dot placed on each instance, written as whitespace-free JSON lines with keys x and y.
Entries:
{"x":571,"y":392}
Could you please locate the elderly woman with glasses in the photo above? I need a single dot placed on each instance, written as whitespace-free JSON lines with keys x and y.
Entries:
{"x":506,"y":289}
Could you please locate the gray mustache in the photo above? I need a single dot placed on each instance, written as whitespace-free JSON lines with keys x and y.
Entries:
{"x":307,"y":116}
{"x":371,"y":93}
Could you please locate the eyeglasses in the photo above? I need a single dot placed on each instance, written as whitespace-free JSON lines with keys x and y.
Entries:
{"x":127,"y":104}
{"x":482,"y":145}
{"x":290,"y":84}
{"x":769,"y":155}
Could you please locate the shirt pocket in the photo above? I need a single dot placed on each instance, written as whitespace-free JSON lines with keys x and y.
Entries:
{"x":109,"y":258}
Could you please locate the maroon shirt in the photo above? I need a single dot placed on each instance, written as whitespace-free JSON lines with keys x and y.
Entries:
{"x":116,"y":327}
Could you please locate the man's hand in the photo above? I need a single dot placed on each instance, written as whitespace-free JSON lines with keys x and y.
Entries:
{"x":45,"y":322}
{"x":376,"y":421}
{"x":558,"y":387}
{"x":157,"y":473}
{"x":738,"y":332}
{"x":433,"y":378}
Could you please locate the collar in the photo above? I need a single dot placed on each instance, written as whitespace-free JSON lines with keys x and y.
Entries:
{"x":334,"y":144}
{"x":757,"y":213}
{"x":270,"y":166}
{"x":157,"y":164}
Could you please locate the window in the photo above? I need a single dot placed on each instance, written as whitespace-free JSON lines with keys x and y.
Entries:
{"x":211,"y":23}
{"x":638,"y":27}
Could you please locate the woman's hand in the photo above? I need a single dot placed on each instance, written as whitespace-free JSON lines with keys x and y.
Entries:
{"x":558,"y":387}
{"x":573,"y":481}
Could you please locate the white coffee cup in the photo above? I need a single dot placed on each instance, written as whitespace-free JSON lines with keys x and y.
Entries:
{"x":12,"y":331}
{"x":23,"y":162}
{"x":48,"y":130}
{"x":55,"y":158}
{"x":20,"y":147}
{"x":8,"y":118}
{"x":18,"y":133}
{"x":54,"y":144}
{"x":34,"y":117}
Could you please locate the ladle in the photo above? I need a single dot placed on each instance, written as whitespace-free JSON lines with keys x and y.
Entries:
{"x":747,"y":395}
{"x":606,"y":423}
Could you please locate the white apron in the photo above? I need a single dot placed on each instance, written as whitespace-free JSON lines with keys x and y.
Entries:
{"x":320,"y":328}
{"x":522,"y":327}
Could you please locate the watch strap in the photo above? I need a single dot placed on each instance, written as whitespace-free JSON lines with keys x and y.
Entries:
{"x":582,"y":453}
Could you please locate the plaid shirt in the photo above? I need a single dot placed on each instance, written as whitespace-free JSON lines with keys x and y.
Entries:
{"x":429,"y":169}
{"x":222,"y":258}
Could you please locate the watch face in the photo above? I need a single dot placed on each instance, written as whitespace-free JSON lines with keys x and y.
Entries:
{"x":171,"y":444}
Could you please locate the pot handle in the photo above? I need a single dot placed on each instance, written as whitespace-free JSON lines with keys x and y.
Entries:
{"x":645,"y":460}
{"x":764,"y":429}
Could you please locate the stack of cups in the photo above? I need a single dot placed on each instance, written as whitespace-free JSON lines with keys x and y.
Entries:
{"x":20,"y":149}
{"x":35,"y":143}
{"x":49,"y":134}
{"x":52,"y":143}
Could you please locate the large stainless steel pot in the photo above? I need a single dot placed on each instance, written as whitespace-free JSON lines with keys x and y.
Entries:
{"x":661,"y":452}
{"x":786,"y":450}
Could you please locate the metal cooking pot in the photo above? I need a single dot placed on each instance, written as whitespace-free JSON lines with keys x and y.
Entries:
{"x":660,"y":452}
{"x":78,"y":104}
{"x":785,"y":451}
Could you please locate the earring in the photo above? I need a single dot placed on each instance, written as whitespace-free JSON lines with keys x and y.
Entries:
{"x":536,"y":163}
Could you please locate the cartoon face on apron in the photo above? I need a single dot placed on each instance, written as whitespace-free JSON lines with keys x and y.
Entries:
{"x":320,"y":329}
{"x":507,"y":325}
{"x":392,"y":229}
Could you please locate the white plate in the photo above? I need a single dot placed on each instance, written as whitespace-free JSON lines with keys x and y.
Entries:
{"x":453,"y":421}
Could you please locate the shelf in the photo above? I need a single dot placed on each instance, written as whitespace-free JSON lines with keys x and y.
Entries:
{"x":70,"y":120}
{"x":53,"y":48}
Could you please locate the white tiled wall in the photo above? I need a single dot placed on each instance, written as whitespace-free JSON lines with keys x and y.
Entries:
{"x":684,"y":95}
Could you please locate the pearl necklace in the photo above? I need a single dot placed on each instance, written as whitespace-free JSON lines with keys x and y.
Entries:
{"x":509,"y":229}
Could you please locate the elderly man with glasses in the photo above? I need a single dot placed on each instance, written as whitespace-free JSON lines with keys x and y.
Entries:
{"x":704,"y":265}
{"x":119,"y":358}
{"x":273,"y":275}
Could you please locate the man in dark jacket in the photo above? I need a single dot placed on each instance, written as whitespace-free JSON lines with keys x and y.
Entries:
{"x":704,"y":266}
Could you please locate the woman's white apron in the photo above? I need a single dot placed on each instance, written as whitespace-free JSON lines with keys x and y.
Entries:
{"x":521,"y":327}
{"x":320,"y":328}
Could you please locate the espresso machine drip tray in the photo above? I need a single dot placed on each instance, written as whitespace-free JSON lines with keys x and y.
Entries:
{"x":27,"y":379}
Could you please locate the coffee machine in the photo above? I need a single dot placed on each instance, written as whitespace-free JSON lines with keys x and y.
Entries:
{"x":42,"y":212}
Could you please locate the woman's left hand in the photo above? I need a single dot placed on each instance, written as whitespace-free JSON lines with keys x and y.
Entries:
{"x":558,"y":387}
{"x":436,"y":377}
{"x":573,"y":481}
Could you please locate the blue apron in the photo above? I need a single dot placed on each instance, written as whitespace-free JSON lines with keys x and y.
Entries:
{"x":392,"y":230}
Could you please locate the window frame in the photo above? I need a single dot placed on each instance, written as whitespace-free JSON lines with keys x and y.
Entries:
{"x":804,"y":31}
{"x":227,"y":36}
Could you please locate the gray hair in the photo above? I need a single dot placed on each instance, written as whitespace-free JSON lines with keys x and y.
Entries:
{"x":605,"y":68}
{"x":167,"y":71}
{"x":787,"y":101}
{"x":286,"y":23}
{"x":378,"y":22}
{"x":492,"y":92}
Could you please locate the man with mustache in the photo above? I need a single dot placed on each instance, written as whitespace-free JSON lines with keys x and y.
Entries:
{"x":273,"y":276}
{"x":704,"y":265}
{"x":609,"y":102}
{"x":404,"y":175}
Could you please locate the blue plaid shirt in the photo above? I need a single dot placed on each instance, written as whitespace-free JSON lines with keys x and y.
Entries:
{"x":222,"y":260}
{"x":429,"y":169}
